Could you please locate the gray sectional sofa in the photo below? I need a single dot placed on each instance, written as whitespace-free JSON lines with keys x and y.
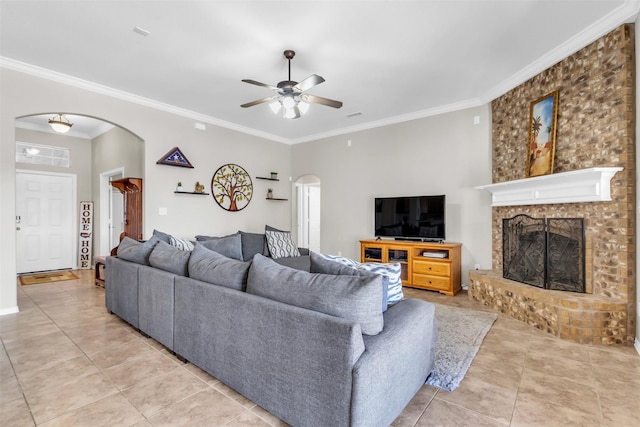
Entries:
{"x":314,"y":349}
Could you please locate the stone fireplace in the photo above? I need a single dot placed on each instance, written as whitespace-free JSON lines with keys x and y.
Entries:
{"x":595,"y":130}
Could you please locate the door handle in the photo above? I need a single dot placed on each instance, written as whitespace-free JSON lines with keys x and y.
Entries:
{"x":18,"y":228}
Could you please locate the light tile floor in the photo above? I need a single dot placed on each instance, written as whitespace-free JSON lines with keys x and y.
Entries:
{"x":66,"y":362}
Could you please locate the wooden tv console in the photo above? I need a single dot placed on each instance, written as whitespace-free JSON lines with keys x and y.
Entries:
{"x":426,"y":265}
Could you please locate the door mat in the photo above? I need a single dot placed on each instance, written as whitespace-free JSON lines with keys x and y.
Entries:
{"x":46,"y":277}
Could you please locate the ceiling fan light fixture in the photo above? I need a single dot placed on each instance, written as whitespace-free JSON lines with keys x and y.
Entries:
{"x":303,"y":106}
{"x":60,"y":123}
{"x":288,"y":101}
{"x":275,"y":106}
{"x":289,"y":113}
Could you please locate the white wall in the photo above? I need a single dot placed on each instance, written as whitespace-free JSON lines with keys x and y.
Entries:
{"x":446,"y":154}
{"x":24,"y":94}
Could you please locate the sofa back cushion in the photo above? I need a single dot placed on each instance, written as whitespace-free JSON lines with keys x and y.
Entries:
{"x":211,"y":267}
{"x":253,"y":243}
{"x":229,"y":246}
{"x":134,"y":251}
{"x":356,"y":298}
{"x":169,"y":258}
{"x":321,"y":264}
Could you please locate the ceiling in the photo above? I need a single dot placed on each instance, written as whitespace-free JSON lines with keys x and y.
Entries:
{"x":387,"y":61}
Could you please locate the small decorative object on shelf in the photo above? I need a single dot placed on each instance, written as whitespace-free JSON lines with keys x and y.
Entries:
{"x":199,"y":187}
{"x":270,"y":193}
{"x":274,"y":175}
{"x":179,"y":187}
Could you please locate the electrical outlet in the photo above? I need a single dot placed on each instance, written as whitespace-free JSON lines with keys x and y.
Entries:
{"x":477,"y":267}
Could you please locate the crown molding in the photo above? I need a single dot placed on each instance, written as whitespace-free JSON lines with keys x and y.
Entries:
{"x":626,"y":13}
{"x":458,"y":106}
{"x":129,"y":97}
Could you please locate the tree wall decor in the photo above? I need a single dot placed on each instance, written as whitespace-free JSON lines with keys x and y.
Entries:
{"x":231,"y":187}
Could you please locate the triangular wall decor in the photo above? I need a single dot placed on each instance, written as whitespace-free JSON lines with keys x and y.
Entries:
{"x":174,"y":157}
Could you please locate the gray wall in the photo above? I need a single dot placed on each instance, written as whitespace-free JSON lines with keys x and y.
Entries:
{"x":116,"y":148}
{"x":445,"y":154}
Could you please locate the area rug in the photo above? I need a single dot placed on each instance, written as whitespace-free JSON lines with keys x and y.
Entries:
{"x":46,"y":277}
{"x":460,"y":333}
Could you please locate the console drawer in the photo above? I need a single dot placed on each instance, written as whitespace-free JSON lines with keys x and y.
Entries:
{"x":431,"y":282}
{"x":432,"y":268}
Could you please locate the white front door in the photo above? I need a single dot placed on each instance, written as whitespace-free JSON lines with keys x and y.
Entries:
{"x":44,"y":221}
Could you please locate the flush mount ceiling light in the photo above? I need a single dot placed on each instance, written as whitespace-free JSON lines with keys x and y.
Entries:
{"x":60,"y":123}
{"x":290,"y":98}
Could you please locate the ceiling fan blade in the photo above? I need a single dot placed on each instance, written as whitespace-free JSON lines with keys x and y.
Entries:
{"x":320,"y":100}
{"x":259,"y":101}
{"x":308,"y":83}
{"x":253,"y":82}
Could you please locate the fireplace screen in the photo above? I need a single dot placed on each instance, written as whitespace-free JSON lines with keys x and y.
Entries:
{"x":547,"y":253}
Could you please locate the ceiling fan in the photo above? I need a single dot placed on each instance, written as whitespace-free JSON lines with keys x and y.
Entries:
{"x":290,"y":97}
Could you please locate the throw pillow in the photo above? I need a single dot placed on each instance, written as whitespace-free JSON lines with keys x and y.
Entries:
{"x":169,"y":258}
{"x":182,"y":244}
{"x":330,"y":264}
{"x":356,"y":298}
{"x":135,"y":251}
{"x":253,"y":243}
{"x":342,"y":260}
{"x":211,"y":267}
{"x":281,"y":244}
{"x":164,"y":237}
{"x":229,"y":246}
{"x":391,"y":278}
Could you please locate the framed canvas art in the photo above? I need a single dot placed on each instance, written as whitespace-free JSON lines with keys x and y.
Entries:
{"x":543,"y":115}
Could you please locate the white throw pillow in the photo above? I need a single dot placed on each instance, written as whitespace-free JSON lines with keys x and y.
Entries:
{"x":281,"y":244}
{"x":182,"y":244}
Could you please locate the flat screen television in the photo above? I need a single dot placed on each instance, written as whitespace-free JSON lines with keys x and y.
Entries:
{"x":410,"y":218}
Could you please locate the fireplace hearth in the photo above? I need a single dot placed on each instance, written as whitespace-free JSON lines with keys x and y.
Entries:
{"x":544,"y":252}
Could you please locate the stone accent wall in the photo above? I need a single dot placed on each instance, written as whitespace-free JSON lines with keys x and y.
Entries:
{"x":596,"y":127}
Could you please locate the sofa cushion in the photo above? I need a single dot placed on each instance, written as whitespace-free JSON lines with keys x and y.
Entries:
{"x":328,"y":264}
{"x":212,"y":267}
{"x":164,"y":237}
{"x":281,"y":244}
{"x":134,"y":251}
{"x":356,"y":298}
{"x":169,"y":258}
{"x":253,"y":243}
{"x":229,"y":246}
{"x":182,"y":244}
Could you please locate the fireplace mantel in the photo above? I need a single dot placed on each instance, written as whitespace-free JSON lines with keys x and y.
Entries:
{"x":585,"y":185}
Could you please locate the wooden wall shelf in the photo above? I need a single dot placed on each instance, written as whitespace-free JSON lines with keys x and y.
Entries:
{"x":267,"y":179}
{"x":275,"y":198}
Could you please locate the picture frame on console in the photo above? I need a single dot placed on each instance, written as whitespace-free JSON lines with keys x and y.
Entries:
{"x":543,"y":117}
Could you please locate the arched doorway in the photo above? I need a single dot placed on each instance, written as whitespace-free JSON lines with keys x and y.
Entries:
{"x":308,"y":211}
{"x":95,"y":149}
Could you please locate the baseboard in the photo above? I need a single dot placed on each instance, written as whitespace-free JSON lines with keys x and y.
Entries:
{"x":10,"y":310}
{"x":636,"y":344}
